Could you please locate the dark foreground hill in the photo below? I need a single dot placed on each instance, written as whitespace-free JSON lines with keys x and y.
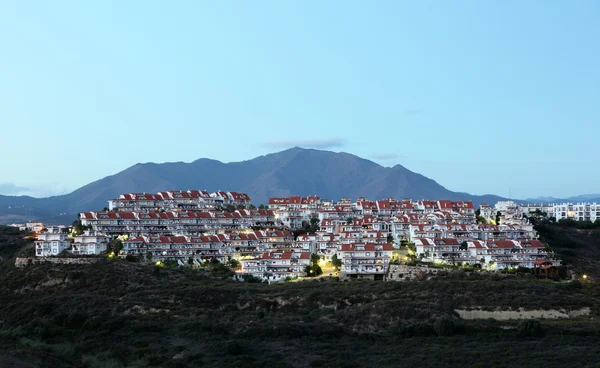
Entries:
{"x":121,"y":314}
{"x":295,"y":171}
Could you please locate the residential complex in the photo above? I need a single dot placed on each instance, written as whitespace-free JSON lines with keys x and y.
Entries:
{"x":193,"y":226}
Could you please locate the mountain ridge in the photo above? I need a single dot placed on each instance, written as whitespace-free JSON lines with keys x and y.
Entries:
{"x":295,"y":171}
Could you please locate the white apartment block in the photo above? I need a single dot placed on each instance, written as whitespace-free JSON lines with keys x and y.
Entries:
{"x":277,"y":265}
{"x":364,"y":259}
{"x":51,"y":242}
{"x":89,"y":243}
{"x":577,"y":211}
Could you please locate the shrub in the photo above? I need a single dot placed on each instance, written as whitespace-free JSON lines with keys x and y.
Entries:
{"x":444,"y":326}
{"x":234,"y":348}
{"x":530,"y":328}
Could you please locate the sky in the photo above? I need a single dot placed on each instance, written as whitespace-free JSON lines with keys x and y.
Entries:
{"x":498,"y":97}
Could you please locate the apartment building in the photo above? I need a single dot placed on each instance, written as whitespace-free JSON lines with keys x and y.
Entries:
{"x":51,"y":242}
{"x":276,"y":265}
{"x":576,"y":211}
{"x":89,"y":243}
{"x":360,"y":260}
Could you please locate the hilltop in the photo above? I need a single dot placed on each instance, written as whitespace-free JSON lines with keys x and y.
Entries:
{"x":295,"y":171}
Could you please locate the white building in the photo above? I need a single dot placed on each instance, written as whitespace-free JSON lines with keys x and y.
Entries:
{"x":505,"y":206}
{"x":276,"y":266}
{"x":89,"y":244}
{"x":577,"y":212}
{"x":35,"y":226}
{"x":51,"y":242}
{"x":360,"y":260}
{"x":530,"y":208}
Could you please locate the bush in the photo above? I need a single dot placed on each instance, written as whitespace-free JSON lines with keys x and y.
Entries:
{"x":530,"y":328}
{"x":132,"y":258}
{"x":234,"y":348}
{"x":444,"y":326}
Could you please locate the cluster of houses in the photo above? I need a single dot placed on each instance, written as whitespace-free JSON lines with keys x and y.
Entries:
{"x":192,"y":226}
{"x":178,"y":200}
{"x":52,"y":241}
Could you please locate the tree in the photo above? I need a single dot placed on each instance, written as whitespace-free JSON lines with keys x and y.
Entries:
{"x":262,"y":207}
{"x":530,"y":328}
{"x":191,"y":261}
{"x":498,"y":214}
{"x":149,"y":256}
{"x":349,"y":221}
{"x":464,"y":245}
{"x":77,"y":227}
{"x":313,"y":227}
{"x":313,"y":269}
{"x":444,"y":326}
{"x":115,"y":246}
{"x":252,"y":207}
{"x":390,"y":239}
{"x":336,"y":262}
{"x":234,"y":263}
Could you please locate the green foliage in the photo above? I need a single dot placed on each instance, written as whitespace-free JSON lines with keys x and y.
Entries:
{"x":313,"y":270}
{"x":234,"y":264}
{"x":170,"y":263}
{"x":530,"y":328}
{"x":444,"y":326}
{"x":190,"y":318}
{"x":336,"y":262}
{"x":312,"y":226}
{"x":115,"y":245}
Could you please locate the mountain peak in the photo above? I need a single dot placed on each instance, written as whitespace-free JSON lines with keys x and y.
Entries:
{"x":294,"y":171}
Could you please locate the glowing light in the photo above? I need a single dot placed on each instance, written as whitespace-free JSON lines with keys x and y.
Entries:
{"x":585,"y":276}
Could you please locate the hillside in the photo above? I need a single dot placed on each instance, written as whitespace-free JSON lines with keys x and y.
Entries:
{"x":117,"y":314}
{"x":578,"y":248}
{"x":295,"y":171}
{"x":121,"y":314}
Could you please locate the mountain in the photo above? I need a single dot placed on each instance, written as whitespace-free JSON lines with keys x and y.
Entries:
{"x":579,"y":198}
{"x":295,"y":171}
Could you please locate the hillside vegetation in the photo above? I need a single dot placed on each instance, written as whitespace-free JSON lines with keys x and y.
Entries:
{"x":121,"y":314}
{"x":576,"y":245}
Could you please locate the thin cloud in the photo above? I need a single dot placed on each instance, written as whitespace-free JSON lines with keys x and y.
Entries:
{"x":321,"y":143}
{"x":413,"y":111}
{"x":12,"y":189}
{"x":387,"y":156}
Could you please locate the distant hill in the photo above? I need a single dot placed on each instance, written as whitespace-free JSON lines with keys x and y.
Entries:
{"x":580,"y":198}
{"x":295,"y":171}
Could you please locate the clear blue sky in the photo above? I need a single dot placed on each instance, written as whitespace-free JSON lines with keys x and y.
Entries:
{"x":481,"y":96}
